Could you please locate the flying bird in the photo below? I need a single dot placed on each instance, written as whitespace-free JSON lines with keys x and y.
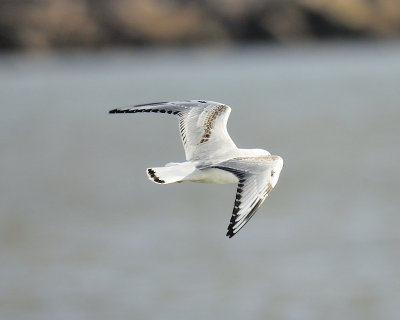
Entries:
{"x":212,"y":156}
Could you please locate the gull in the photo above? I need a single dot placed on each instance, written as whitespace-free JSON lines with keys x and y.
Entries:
{"x":212,"y":156}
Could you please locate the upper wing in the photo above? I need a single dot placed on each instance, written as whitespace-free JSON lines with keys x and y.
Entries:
{"x":202,"y":125}
{"x":257,"y":177}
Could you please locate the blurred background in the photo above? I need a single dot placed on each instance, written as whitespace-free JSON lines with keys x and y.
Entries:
{"x":85,"y":235}
{"x":50,"y":24}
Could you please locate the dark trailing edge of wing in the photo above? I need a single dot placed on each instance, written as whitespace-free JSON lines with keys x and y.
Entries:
{"x":137,"y":109}
{"x":231,"y":232}
{"x":236,"y":208}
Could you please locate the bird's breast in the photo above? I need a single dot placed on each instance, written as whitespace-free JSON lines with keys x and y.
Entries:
{"x":212,"y":175}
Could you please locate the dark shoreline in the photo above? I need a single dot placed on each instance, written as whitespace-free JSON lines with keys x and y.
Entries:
{"x":90,"y":24}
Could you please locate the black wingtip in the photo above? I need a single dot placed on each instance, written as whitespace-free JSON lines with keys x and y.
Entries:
{"x":230,"y":233}
{"x":121,"y":111}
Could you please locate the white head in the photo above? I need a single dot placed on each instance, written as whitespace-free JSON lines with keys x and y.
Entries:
{"x":276,"y":170}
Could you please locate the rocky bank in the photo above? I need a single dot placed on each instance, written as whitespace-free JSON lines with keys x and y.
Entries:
{"x":48,"y":24}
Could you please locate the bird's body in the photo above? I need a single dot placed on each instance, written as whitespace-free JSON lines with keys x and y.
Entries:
{"x":212,"y":156}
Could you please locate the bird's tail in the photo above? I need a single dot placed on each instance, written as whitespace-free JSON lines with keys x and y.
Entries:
{"x":170,"y":173}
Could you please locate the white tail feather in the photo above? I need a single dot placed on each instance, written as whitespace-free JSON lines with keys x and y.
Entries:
{"x":171,"y":173}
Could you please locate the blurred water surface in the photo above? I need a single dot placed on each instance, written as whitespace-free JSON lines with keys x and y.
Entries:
{"x":85,"y":235}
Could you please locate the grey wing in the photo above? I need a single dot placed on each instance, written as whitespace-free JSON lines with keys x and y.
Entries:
{"x":202,"y":124}
{"x":257,"y":177}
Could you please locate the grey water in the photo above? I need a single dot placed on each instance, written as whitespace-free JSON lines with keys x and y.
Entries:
{"x":85,"y":235}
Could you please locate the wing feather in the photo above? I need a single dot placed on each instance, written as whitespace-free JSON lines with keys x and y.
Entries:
{"x":202,"y":125}
{"x":257,"y":177}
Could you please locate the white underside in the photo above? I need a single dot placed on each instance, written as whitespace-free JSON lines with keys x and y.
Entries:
{"x":188,"y":171}
{"x":211,"y":175}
